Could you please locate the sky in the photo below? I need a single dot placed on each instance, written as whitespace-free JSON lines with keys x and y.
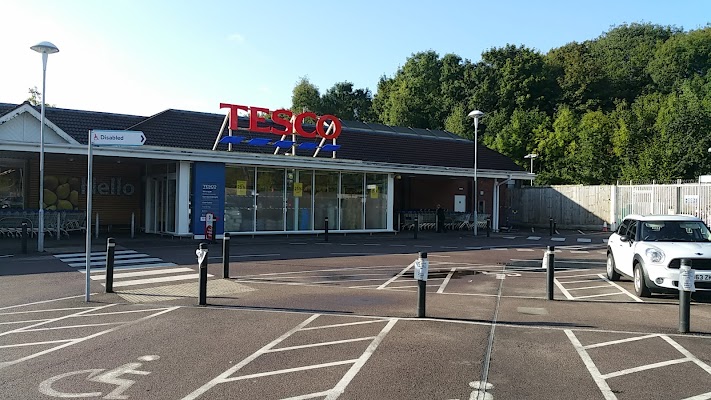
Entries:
{"x":142,"y":57}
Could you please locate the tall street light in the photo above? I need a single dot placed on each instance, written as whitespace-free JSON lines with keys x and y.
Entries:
{"x":531,"y":156}
{"x":45,"y":48}
{"x":476,"y":114}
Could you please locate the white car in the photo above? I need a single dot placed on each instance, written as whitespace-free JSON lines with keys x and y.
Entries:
{"x":649,"y":250}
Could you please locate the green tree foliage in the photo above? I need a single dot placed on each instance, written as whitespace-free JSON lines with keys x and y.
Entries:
{"x":346,"y":103}
{"x":35,"y":98}
{"x":631,"y":104}
{"x":305,"y":97}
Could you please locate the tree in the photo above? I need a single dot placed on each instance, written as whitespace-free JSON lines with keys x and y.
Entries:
{"x":35,"y":98}
{"x":682,"y":57}
{"x":305,"y":97}
{"x":348,"y":104}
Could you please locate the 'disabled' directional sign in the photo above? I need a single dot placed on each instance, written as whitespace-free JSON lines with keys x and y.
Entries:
{"x":117,"y":138}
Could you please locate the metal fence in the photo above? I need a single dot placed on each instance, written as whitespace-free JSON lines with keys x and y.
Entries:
{"x":591,"y":207}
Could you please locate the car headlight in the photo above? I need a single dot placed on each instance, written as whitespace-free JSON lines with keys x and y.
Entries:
{"x":654,"y":254}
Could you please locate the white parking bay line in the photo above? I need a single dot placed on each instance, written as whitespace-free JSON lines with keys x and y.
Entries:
{"x":623,"y":290}
{"x":584,"y":240}
{"x":533,"y":238}
{"x":446,"y":280}
{"x":592,"y":368}
{"x":525,"y":250}
{"x":558,"y":239}
{"x":143,"y":273}
{"x":157,"y":280}
{"x":394,"y":278}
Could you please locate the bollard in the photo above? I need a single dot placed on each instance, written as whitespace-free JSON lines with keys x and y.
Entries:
{"x":24,"y":238}
{"x":133,"y":224}
{"x":325,"y":230}
{"x":96,"y":230}
{"x":550,"y":226}
{"x":555,"y":227}
{"x":110,"y":251}
{"x":417,"y":225}
{"x":686,"y":286}
{"x":421,"y":269}
{"x":488,"y":227}
{"x":59,"y":226}
{"x":550,"y":271}
{"x":226,"y":256}
{"x":201,"y":254}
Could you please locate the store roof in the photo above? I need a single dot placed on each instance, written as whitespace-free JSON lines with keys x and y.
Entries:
{"x":358,"y":141}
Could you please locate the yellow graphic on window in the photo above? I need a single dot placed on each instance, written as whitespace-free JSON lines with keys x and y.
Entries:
{"x":241,"y":188}
{"x":374,"y":192}
{"x":298,"y":189}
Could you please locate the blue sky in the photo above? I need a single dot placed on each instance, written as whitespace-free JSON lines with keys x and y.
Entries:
{"x":142,"y":57}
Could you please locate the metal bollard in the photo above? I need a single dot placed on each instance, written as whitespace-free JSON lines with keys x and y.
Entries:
{"x":417,"y":225}
{"x":488,"y":227}
{"x":96,"y":230}
{"x":550,"y":226}
{"x":226,"y":256}
{"x":686,"y":287}
{"x":550,"y":271}
{"x":133,"y":224}
{"x":201,"y":254}
{"x":555,"y":227}
{"x":421,"y":269}
{"x":59,"y":226}
{"x":325,"y":229}
{"x":110,"y":251}
{"x":24,"y":238}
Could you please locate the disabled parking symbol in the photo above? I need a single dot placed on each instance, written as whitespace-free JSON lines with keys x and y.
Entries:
{"x":111,"y":377}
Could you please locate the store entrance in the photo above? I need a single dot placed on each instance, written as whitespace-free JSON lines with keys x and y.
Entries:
{"x":160,"y":203}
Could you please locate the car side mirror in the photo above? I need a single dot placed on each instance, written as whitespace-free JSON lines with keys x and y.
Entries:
{"x":624,"y":238}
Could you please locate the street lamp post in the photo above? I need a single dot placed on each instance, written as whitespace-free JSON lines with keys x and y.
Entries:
{"x":44,"y":48}
{"x":476,"y":114}
{"x":531,"y":156}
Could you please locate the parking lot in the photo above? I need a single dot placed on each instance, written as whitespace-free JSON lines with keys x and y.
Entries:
{"x":306,"y":319}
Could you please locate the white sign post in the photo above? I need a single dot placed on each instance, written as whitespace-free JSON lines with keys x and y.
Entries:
{"x":102,"y":138}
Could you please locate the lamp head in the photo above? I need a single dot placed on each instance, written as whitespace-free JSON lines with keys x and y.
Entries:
{"x":45,"y":48}
{"x":476,"y":114}
{"x":532,"y":155}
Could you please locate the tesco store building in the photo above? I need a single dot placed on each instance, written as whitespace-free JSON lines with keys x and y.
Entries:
{"x":252,"y":170}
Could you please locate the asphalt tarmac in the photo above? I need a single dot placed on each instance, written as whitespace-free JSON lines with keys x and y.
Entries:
{"x":303,"y":318}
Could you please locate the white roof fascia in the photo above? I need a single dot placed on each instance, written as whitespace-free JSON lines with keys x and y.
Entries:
{"x":240,"y":158}
{"x":26,"y":108}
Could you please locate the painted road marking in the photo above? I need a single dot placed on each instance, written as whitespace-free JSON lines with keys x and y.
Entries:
{"x":558,"y":239}
{"x":525,"y":250}
{"x":446,"y":280}
{"x":601,"y":379}
{"x":394,"y":278}
{"x":112,"y":377}
{"x":64,"y":256}
{"x":584,"y":240}
{"x":533,"y":238}
{"x":122,"y":259}
{"x":143,"y":273}
{"x":333,"y":393}
{"x":73,"y":312}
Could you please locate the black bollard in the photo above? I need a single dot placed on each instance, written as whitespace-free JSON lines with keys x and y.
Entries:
{"x":421,"y":276}
{"x":325,"y":230}
{"x":686,"y":286}
{"x":226,"y":256}
{"x":24,"y":238}
{"x":417,"y":225}
{"x":110,"y":251}
{"x":550,"y":226}
{"x":488,"y":227}
{"x":550,"y":271}
{"x":555,"y":227}
{"x":202,"y":265}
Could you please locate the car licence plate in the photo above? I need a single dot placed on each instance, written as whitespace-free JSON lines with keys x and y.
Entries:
{"x":702,"y":277}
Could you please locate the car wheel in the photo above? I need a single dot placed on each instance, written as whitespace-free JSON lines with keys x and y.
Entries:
{"x":611,"y":273}
{"x":640,"y":285}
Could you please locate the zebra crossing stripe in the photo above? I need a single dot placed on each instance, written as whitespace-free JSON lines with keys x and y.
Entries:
{"x":96,"y":253}
{"x":103,"y":258}
{"x":158,"y":280}
{"x":122,"y":275}
{"x":131,"y":261}
{"x":131,"y":267}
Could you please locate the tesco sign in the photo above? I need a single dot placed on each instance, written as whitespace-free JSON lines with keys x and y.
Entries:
{"x":282,"y":120}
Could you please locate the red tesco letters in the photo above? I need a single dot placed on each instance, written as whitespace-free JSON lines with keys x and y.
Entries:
{"x":282,"y":120}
